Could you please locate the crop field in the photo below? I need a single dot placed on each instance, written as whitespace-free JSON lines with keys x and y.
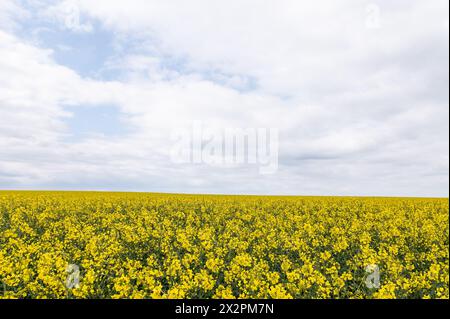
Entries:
{"x":136,"y":245}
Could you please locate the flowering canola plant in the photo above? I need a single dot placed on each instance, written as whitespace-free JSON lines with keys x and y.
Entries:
{"x":129,"y":245}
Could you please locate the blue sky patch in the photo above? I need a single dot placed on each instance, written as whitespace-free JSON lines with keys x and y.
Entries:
{"x":89,"y":121}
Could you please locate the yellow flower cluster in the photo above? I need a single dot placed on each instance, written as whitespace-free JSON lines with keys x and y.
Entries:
{"x":190,"y":246}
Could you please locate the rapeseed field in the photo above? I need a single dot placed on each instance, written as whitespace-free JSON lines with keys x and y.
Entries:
{"x":133,"y":245}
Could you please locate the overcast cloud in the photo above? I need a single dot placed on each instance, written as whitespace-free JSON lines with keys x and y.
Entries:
{"x":90,"y":92}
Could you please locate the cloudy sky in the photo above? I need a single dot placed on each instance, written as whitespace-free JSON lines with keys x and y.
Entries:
{"x":90,"y":92}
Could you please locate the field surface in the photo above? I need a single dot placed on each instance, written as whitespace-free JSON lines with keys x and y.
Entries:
{"x":130,"y":245}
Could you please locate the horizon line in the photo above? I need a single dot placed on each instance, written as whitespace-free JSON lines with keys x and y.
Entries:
{"x":218,"y":194}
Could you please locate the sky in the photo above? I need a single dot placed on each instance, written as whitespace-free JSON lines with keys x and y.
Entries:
{"x":92,"y":91}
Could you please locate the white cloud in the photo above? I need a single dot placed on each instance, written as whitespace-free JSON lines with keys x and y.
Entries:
{"x":9,"y":12}
{"x":289,"y":46}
